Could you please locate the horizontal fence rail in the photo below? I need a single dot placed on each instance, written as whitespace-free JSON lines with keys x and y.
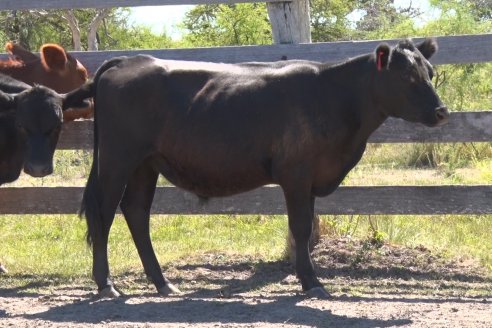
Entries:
{"x":462,"y":127}
{"x":74,"y":4}
{"x":403,"y":200}
{"x":452,"y":50}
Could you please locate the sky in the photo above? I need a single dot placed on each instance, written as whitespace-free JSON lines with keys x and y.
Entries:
{"x":159,"y":18}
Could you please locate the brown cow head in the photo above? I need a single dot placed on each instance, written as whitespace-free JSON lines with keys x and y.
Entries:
{"x":54,"y":68}
{"x":70,"y":71}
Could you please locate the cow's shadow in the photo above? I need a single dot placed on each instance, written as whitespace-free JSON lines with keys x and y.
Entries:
{"x":280,"y":310}
{"x":209,"y":305}
{"x":275,"y":272}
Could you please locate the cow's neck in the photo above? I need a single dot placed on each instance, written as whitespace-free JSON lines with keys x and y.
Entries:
{"x":356,"y":78}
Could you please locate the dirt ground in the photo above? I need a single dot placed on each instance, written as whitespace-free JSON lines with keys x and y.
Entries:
{"x":371,"y":285}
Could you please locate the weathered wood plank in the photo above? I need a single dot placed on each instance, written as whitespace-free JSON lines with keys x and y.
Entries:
{"x":421,"y":200}
{"x":452,"y":50}
{"x":67,"y":4}
{"x":290,"y":22}
{"x":462,"y":127}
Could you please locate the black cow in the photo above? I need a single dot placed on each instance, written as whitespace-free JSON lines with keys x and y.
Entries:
{"x":222,"y":129}
{"x":29,"y":128}
{"x":30,"y":124}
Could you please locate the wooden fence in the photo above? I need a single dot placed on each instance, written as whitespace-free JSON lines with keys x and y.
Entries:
{"x":462,"y":127}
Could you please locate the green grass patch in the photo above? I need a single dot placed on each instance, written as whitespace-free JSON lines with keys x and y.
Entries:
{"x":55,"y":244}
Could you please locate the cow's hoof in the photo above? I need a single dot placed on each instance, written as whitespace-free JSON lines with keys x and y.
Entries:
{"x":109,"y":292}
{"x":169,"y":289}
{"x":3,"y":269}
{"x":319,"y":293}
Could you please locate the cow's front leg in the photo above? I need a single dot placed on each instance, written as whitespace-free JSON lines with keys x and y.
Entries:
{"x":300,"y":212}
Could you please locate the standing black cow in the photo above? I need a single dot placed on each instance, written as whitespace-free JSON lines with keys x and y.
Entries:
{"x":30,"y":124}
{"x":222,"y":129}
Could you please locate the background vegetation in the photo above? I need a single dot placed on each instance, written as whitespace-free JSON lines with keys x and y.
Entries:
{"x":46,"y":244}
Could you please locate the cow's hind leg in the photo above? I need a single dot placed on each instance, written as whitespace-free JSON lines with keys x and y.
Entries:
{"x":101,"y":197}
{"x":300,"y":211}
{"x":135,"y":205}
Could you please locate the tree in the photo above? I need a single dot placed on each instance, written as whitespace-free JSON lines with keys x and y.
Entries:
{"x":330,"y":20}
{"x":31,"y":28}
{"x":237,"y":24}
{"x":78,"y":29}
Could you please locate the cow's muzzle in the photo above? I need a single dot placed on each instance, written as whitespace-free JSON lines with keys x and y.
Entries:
{"x":442,"y":115}
{"x":38,"y":170}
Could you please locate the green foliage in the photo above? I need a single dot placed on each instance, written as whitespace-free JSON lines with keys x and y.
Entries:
{"x":118,"y":33}
{"x":330,"y":20}
{"x":32,"y":28}
{"x":224,"y":25}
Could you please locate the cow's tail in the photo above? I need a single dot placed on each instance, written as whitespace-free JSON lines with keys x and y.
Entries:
{"x":90,"y":207}
{"x":79,"y":98}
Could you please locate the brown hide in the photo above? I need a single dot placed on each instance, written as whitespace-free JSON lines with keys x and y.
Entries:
{"x":53,"y":68}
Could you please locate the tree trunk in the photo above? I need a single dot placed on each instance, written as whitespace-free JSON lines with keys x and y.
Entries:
{"x":290,"y":21}
{"x":74,"y":27}
{"x":92,"y":44}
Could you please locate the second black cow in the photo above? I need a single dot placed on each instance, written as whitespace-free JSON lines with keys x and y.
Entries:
{"x":30,"y":125}
{"x":222,"y":129}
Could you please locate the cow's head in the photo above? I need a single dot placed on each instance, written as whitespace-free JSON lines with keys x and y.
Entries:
{"x":12,"y":147}
{"x":71,"y":73}
{"x":53,"y":68}
{"x":37,"y":120}
{"x":403,"y":85}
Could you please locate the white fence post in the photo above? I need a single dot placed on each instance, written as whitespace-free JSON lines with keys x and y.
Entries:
{"x":290,"y":21}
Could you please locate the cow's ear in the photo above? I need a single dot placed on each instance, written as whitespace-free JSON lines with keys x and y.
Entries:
{"x":428,"y":47}
{"x":20,"y":53}
{"x":7,"y":101}
{"x":53,"y":57}
{"x":382,"y":56}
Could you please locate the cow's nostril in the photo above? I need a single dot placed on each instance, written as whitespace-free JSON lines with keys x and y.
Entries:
{"x":442,"y":113}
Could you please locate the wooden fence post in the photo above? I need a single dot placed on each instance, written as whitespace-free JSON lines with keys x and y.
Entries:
{"x":291,"y":24}
{"x":290,"y":21}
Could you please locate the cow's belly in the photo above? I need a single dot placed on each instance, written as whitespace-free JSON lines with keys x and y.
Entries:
{"x":211,"y":179}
